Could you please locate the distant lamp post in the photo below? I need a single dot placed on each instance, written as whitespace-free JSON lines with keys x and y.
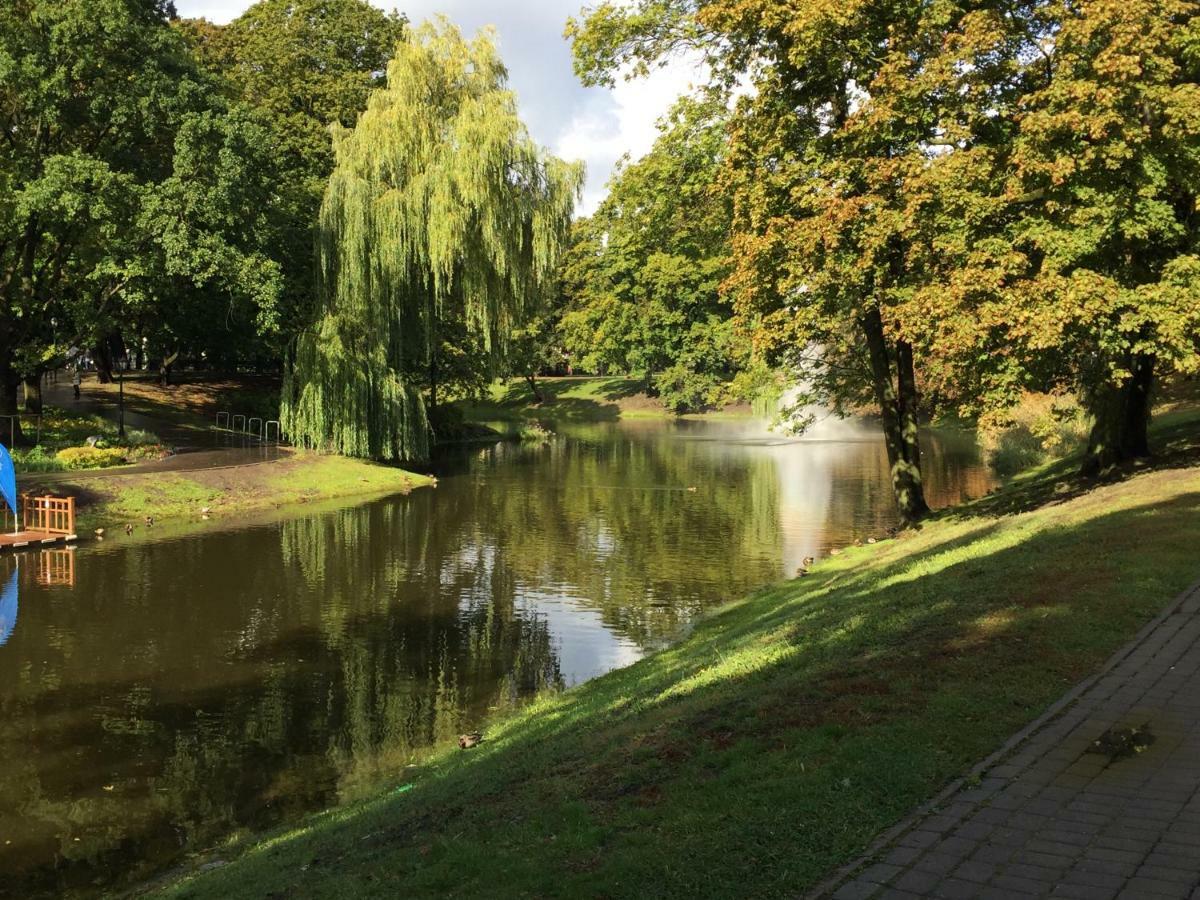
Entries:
{"x":122,"y":368}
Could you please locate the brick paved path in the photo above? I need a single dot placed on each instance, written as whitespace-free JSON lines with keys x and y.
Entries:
{"x":1056,"y":814}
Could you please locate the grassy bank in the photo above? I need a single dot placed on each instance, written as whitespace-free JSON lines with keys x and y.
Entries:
{"x":777,"y":739}
{"x":113,"y":499}
{"x":573,"y":399}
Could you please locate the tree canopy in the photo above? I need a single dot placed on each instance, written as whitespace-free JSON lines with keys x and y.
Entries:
{"x":129,"y":183}
{"x":643,"y":274}
{"x":302,"y":65}
{"x":943,"y":204}
{"x":440,"y":207}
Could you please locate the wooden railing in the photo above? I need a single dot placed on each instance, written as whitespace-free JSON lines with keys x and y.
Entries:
{"x":50,"y":515}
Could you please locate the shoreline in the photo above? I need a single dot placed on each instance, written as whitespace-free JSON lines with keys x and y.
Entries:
{"x":847,"y":698}
{"x":111,"y":498}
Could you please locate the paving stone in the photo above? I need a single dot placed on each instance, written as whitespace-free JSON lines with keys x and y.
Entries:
{"x":956,"y":889}
{"x":917,"y":881}
{"x":1143,"y":887}
{"x":1020,"y":885}
{"x":856,"y":890}
{"x":975,"y":870}
{"x":1083,"y":892}
{"x":993,"y":853}
{"x":1187,"y":877}
{"x":880,"y":873}
{"x":1055,"y":819}
{"x":1051,"y":861}
{"x":938,"y":863}
{"x":901,"y":856}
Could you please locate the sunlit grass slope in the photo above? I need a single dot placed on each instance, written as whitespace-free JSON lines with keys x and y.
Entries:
{"x":777,"y":739}
{"x":111,"y":499}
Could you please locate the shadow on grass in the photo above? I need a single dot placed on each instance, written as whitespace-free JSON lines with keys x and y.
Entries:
{"x":781,"y":736}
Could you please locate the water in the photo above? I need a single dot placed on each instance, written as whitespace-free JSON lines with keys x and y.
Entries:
{"x":158,"y":693}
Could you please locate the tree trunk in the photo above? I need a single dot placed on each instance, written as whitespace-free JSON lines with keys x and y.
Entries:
{"x":10,"y":381}
{"x":896,"y":395}
{"x":33,"y":393}
{"x":533,"y":386}
{"x":104,"y":366}
{"x":433,"y":360}
{"x":1122,"y":413}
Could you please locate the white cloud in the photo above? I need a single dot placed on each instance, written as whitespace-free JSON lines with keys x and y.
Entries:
{"x":601,"y":134}
{"x":596,"y":125}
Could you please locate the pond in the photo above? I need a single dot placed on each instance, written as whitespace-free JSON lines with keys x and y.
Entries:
{"x":160,"y":693}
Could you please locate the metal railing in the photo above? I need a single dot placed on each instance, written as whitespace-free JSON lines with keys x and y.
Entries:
{"x":255,"y":426}
{"x":12,"y":426}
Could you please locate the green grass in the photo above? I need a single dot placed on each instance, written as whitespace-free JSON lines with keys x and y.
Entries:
{"x":115,"y":499}
{"x":573,"y":399}
{"x":776,"y":740}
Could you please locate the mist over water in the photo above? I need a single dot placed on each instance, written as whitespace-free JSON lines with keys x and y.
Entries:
{"x":160,"y":693}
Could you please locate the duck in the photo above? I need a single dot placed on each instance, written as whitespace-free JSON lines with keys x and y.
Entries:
{"x":808,"y":561}
{"x":205,"y":510}
{"x":872,"y":541}
{"x":469,"y":740}
{"x":693,"y":489}
{"x":128,"y":529}
{"x":149,"y":521}
{"x":99,"y":532}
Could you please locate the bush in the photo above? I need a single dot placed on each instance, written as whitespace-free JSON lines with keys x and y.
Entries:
{"x":535,"y":433}
{"x":1040,"y":428}
{"x":90,"y":457}
{"x":135,"y":437}
{"x":35,"y":459}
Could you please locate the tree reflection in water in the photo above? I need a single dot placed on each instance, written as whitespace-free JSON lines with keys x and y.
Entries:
{"x":187,"y":689}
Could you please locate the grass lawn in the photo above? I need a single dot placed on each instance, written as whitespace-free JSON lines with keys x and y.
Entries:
{"x":113,"y":499}
{"x":573,"y":399}
{"x":784,"y":732}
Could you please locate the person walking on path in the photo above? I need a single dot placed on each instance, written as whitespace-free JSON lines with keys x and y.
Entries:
{"x":76,"y":381}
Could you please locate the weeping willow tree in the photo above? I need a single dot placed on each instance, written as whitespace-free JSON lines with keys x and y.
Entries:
{"x":440,"y":206}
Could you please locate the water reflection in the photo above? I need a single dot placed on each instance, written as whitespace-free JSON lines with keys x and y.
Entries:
{"x":8,"y":608}
{"x":161,"y":694}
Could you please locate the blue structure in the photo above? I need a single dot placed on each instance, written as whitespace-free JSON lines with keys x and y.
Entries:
{"x":8,"y":609}
{"x":8,"y":481}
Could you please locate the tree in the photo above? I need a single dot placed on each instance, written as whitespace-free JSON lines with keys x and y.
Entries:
{"x":132,"y":189}
{"x":1062,"y":228}
{"x":818,"y":171}
{"x":303,"y":65}
{"x":88,"y":91}
{"x":643,"y":274}
{"x":440,"y":207}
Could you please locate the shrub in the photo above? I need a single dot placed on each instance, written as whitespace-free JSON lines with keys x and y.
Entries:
{"x":36,"y":459}
{"x":90,"y":457}
{"x":535,"y":433}
{"x":136,"y":437}
{"x":1040,"y":428}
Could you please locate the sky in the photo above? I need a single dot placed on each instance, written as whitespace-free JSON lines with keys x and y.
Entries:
{"x":596,"y":125}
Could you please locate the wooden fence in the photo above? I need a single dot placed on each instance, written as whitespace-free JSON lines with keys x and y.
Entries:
{"x":49,"y":515}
